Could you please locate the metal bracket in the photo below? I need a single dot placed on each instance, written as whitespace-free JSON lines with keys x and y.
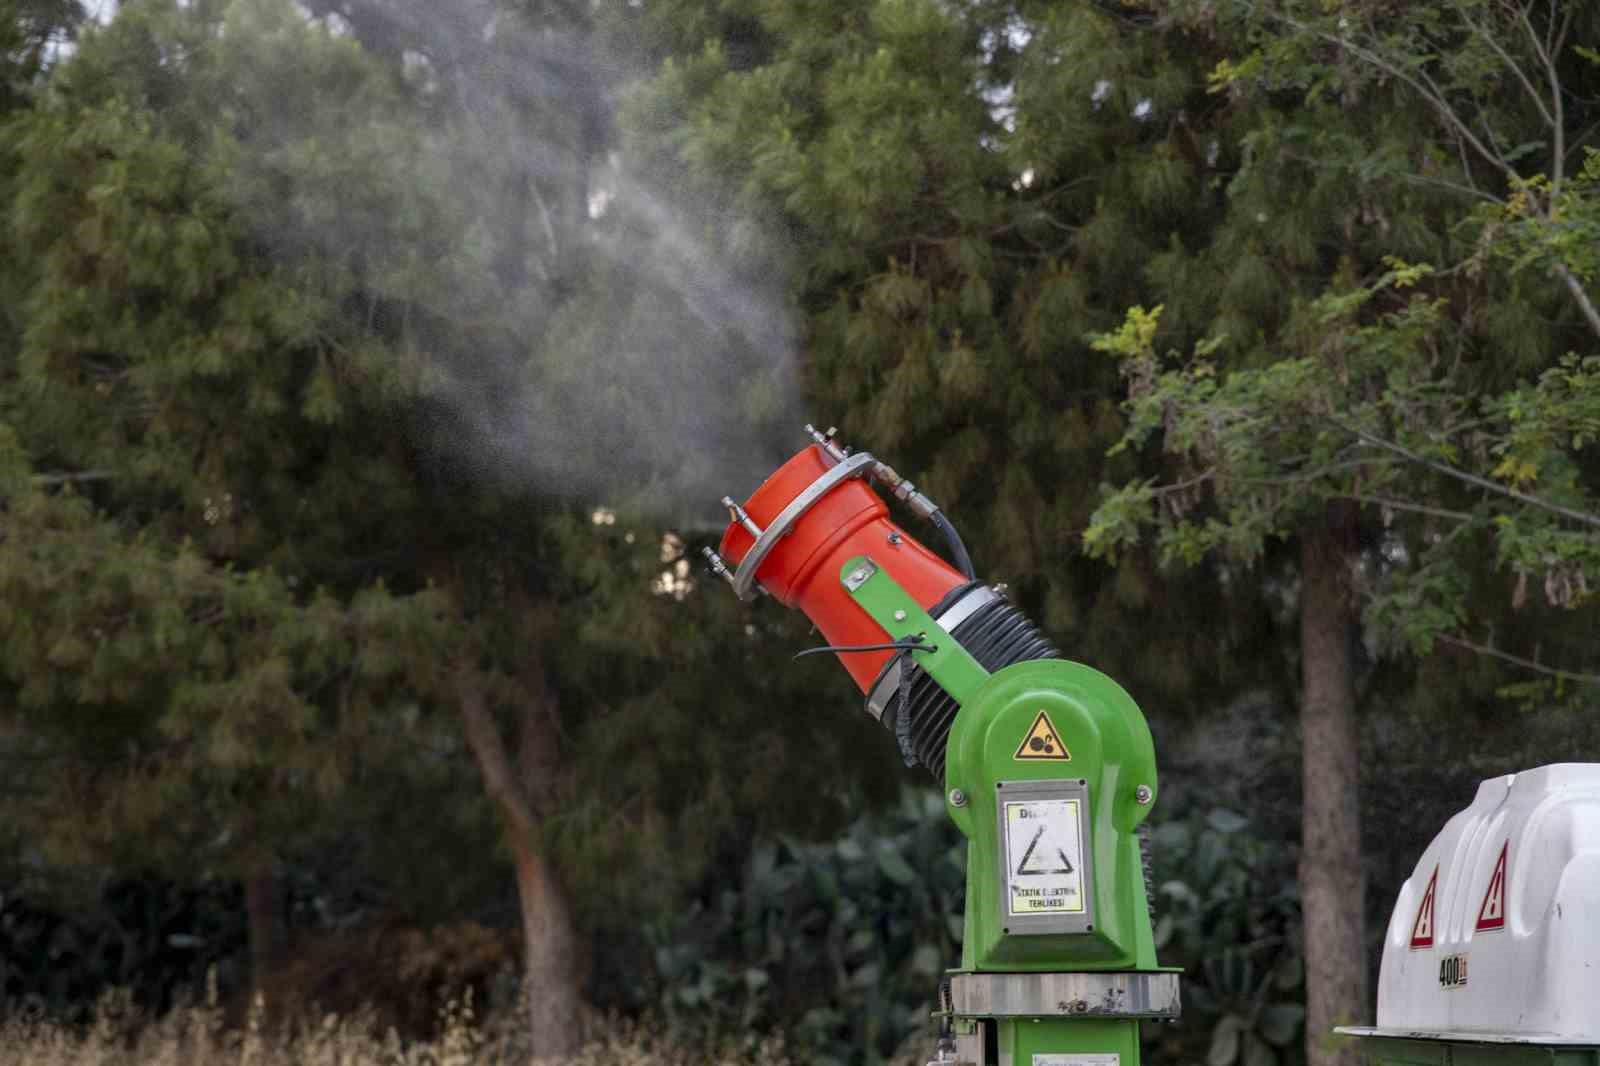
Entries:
{"x":949,"y":664}
{"x":857,"y":466}
{"x":888,"y":681}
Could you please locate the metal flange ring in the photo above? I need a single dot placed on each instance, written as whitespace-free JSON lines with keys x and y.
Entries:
{"x":1108,"y":994}
{"x":744,"y":580}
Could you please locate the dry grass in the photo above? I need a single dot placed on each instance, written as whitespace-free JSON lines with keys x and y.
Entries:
{"x":197,"y":1036}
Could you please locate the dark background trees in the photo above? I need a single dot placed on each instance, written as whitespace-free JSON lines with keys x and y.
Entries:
{"x":369,"y":371}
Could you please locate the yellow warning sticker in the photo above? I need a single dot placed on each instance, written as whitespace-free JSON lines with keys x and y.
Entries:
{"x":1042,"y":742}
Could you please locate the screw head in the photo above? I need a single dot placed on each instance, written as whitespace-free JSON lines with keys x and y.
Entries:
{"x":1143,"y":795}
{"x":958,"y":798}
{"x":899,"y":616}
{"x":894,"y":537}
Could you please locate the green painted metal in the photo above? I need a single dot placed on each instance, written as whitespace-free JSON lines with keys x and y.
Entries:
{"x":1020,"y":1039}
{"x":1397,"y":1051}
{"x":1111,"y":750}
{"x":957,"y":672}
{"x":1111,"y":753}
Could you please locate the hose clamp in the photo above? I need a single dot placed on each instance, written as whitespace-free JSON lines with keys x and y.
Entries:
{"x":967,"y":606}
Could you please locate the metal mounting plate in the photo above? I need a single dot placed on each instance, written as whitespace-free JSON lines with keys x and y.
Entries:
{"x":1115,"y":994}
{"x":1046,"y":874}
{"x":950,"y":665}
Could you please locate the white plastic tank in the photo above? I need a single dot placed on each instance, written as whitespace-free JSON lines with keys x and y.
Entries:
{"x":1496,"y":935}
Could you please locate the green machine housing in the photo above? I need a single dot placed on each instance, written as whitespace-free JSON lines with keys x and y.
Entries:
{"x":1049,"y":771}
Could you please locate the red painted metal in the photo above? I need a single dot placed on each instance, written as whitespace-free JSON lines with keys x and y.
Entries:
{"x":802,"y":570}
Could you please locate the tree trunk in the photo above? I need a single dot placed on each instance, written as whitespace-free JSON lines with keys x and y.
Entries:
{"x":263,"y":908}
{"x":549,"y":941}
{"x":551,"y":983}
{"x":1332,"y":883}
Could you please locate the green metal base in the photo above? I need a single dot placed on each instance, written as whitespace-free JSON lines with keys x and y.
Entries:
{"x":1047,"y":1042}
{"x":1393,"y":1051}
{"x":1054,"y":1042}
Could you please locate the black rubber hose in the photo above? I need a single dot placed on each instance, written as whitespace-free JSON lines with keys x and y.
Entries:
{"x":958,"y":549}
{"x":921,"y":713}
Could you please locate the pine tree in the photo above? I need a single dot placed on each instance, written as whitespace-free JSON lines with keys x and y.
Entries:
{"x":967,"y":204}
{"x":272,"y":412}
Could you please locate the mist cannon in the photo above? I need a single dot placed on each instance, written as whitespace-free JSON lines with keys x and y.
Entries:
{"x":1047,"y":765}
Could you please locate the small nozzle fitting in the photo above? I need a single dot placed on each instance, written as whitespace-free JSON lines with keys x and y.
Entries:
{"x":742,"y":517}
{"x":827,"y":442}
{"x":718,"y":567}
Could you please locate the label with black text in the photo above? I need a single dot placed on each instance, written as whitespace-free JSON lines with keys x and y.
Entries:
{"x":1044,"y":852}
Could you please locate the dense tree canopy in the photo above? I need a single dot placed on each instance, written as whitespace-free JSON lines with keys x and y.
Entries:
{"x":369,"y":372}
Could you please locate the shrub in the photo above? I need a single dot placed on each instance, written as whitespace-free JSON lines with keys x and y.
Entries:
{"x":1228,"y":912}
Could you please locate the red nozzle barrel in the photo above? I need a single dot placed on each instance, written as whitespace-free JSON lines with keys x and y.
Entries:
{"x":802,"y":569}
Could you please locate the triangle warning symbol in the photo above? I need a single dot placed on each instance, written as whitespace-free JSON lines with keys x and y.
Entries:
{"x":1042,"y":742}
{"x":1037,"y":861}
{"x":1492,"y":915}
{"x":1422,"y":928}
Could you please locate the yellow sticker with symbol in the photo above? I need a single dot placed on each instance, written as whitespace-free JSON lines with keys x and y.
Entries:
{"x":1042,"y":742}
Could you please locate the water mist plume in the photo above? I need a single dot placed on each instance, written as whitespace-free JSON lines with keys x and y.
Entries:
{"x":626,"y":341}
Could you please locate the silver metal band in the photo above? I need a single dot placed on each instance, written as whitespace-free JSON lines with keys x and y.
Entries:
{"x":744,"y":580}
{"x":884,"y":688}
{"x":975,"y":600}
{"x":1124,"y":994}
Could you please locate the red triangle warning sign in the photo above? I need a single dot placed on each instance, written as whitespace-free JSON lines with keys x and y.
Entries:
{"x":1492,"y":915}
{"x":1422,"y":928}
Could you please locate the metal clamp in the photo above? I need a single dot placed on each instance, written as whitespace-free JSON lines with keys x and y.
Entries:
{"x":884,"y":688}
{"x":744,"y":580}
{"x":1124,"y":994}
{"x":968,"y":605}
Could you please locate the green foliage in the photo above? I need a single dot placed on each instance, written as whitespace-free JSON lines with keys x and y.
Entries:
{"x":1370,"y":418}
{"x":256,"y":545}
{"x":848,"y":938}
{"x":1229,"y":914}
{"x":92,"y":622}
{"x":250,"y":267}
{"x":29,"y":29}
{"x":143,"y":935}
{"x":843,"y":942}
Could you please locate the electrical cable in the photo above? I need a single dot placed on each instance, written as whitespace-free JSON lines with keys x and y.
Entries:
{"x":906,"y":644}
{"x":958,"y":549}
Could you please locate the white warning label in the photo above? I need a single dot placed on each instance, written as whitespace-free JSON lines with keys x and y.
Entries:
{"x":1044,"y":857}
